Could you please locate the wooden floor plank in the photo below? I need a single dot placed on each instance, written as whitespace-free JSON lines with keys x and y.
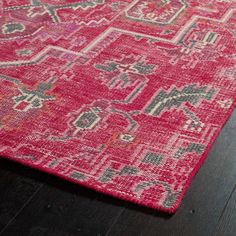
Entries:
{"x":63,"y":208}
{"x":227,"y":223}
{"x":204,"y":201}
{"x":16,"y":188}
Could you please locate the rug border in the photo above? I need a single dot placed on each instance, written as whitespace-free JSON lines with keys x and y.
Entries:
{"x":121,"y":196}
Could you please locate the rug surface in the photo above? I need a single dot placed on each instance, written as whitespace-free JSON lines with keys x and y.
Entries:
{"x":124,"y":97}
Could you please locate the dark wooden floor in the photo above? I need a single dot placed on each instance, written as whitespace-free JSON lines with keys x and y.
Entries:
{"x":37,"y":204}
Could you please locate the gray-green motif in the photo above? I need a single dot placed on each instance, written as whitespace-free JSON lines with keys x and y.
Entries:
{"x":192,"y":147}
{"x":78,"y":176}
{"x":167,"y":100}
{"x":52,"y":9}
{"x":152,"y":158}
{"x":171,"y":197}
{"x":110,"y":173}
{"x":137,"y":67}
{"x":87,"y":120}
{"x":34,"y":98}
{"x":11,"y":28}
{"x":124,"y":71}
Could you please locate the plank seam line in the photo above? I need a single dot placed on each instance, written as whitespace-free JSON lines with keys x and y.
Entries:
{"x":21,"y":209}
{"x":223,"y":211}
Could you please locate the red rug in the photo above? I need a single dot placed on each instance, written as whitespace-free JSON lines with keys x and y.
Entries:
{"x":124,"y":97}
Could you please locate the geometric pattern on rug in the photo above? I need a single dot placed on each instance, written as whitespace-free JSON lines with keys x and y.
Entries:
{"x":124,"y":97}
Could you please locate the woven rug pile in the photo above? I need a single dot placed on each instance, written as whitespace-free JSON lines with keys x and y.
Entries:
{"x":124,"y":97}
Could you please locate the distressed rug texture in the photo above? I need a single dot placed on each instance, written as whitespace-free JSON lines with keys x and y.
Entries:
{"x":124,"y":97}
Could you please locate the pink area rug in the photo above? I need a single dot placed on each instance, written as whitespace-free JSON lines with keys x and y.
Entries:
{"x":124,"y":97}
